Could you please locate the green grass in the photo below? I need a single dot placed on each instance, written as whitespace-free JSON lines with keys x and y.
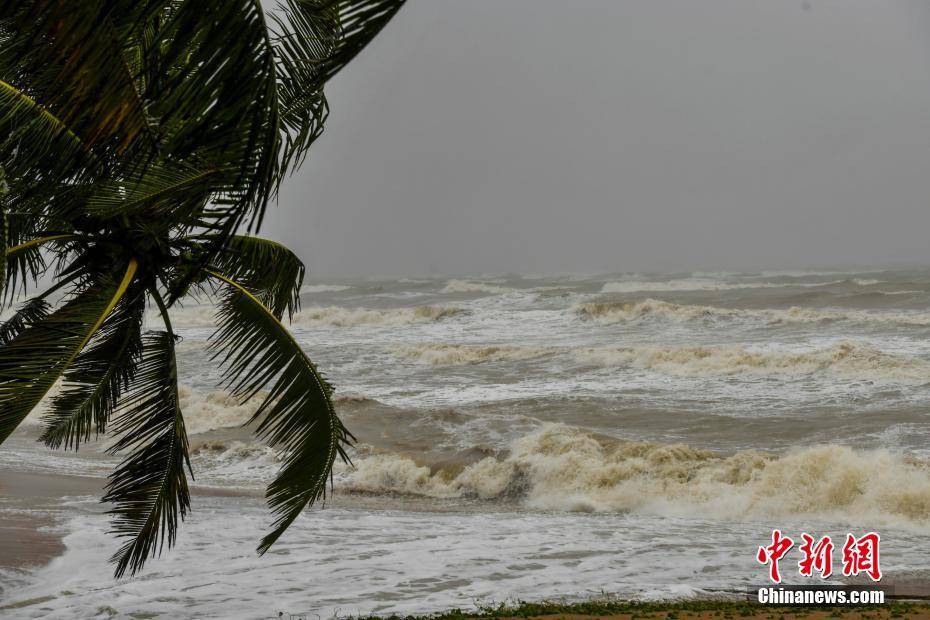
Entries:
{"x":671,"y":610}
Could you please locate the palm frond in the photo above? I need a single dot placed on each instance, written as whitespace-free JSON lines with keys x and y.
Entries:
{"x":149,"y":487}
{"x":28,"y":314}
{"x":297,"y":415}
{"x":267,"y":268}
{"x":32,"y":361}
{"x":72,"y":60}
{"x":4,"y":233}
{"x":94,"y":382}
{"x":314,"y":40}
{"x":25,"y":263}
{"x":216,"y":97}
{"x":305,"y":34}
{"x":37,"y":139}
{"x":359,"y":22}
{"x":156,"y":191}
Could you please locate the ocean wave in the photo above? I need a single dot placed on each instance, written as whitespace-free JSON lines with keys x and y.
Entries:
{"x":686,"y":284}
{"x":610,"y":313}
{"x":212,"y":410}
{"x":469,"y":286}
{"x":613,"y":312}
{"x":566,"y":469}
{"x":337,"y":316}
{"x":448,"y":354}
{"x":847,"y":359}
{"x":323,"y":288}
{"x":201,"y":315}
{"x":215,"y":409}
{"x":711,"y":284}
{"x":333,"y":316}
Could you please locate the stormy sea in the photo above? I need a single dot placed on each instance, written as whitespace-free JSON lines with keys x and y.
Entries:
{"x":527,"y":437}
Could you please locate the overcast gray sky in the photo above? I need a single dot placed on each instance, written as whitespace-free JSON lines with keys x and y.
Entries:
{"x":623,"y":135}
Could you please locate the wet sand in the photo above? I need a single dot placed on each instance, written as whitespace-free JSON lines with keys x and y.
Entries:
{"x":25,"y":540}
{"x":25,"y":537}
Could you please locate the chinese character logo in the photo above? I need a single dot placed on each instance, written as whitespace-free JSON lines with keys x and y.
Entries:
{"x":773,"y":553}
{"x":860,"y":555}
{"x":816,"y":556}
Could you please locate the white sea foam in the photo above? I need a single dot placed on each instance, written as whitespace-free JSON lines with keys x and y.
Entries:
{"x":469,"y":286}
{"x":215,"y":409}
{"x":442,"y":354}
{"x":685,"y":284}
{"x":563,"y":468}
{"x":337,"y":316}
{"x":609,"y":313}
{"x":323,"y":288}
{"x":847,"y":359}
{"x":713,"y":284}
{"x":333,"y":316}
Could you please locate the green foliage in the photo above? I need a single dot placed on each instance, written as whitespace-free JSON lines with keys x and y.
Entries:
{"x":3,"y":230}
{"x":149,"y":488}
{"x":140,"y":139}
{"x":268,"y":269}
{"x":94,"y":382}
{"x":30,"y":312}
{"x":34,"y":360}
{"x":296,"y":416}
{"x":695,"y":608}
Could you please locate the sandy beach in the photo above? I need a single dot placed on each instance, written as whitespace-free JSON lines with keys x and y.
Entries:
{"x":25,"y":537}
{"x":28,"y":538}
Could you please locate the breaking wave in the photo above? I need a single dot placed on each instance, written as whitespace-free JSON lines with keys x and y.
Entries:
{"x":468,"y":286}
{"x":686,"y":284}
{"x":566,"y":469}
{"x":323,"y":288}
{"x":845,"y":358}
{"x":710,"y":284}
{"x":609,"y":313}
{"x":337,"y":316}
{"x":442,"y":354}
{"x":849,"y":359}
{"x":334,"y":316}
{"x":212,"y":410}
{"x":215,"y":409}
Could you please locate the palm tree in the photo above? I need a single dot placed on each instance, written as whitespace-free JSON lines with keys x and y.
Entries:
{"x":139,"y":137}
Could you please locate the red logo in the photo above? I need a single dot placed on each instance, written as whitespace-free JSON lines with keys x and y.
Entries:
{"x":773,"y":553}
{"x":860,"y":555}
{"x":816,"y":557}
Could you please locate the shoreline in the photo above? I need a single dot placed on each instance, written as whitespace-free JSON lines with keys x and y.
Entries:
{"x":694,"y":610}
{"x":28,"y":540}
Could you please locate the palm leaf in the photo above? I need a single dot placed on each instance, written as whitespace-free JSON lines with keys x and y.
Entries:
{"x":38,"y":139}
{"x":305,"y":35}
{"x":158,"y":190}
{"x":94,"y":382}
{"x":149,"y":487}
{"x":32,"y":362}
{"x":296,"y":416}
{"x":314,"y":40}
{"x":267,"y":268}
{"x":29,"y":313}
{"x":72,"y":59}
{"x":24,"y":262}
{"x":4,"y":234}
{"x":216,"y":97}
{"x":359,"y":22}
